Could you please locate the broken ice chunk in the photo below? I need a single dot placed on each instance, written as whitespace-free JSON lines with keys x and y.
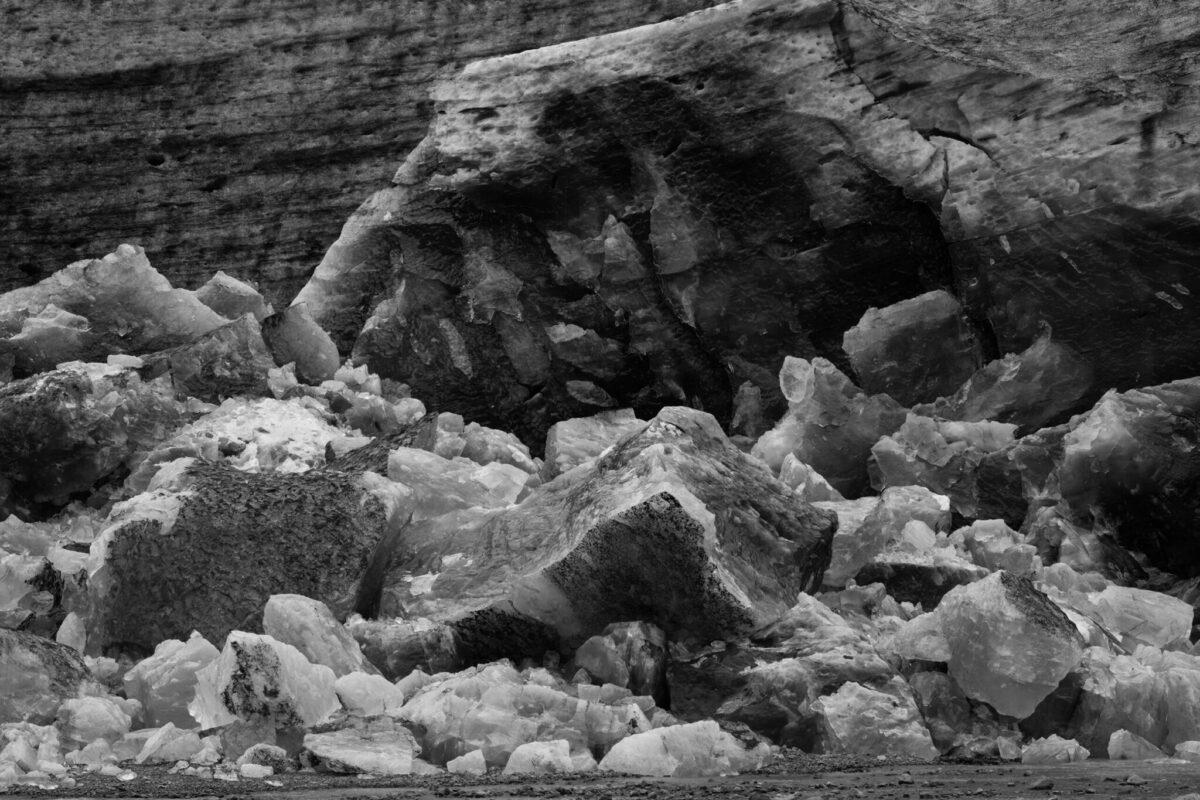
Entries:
{"x":310,"y":627}
{"x":684,"y":751}
{"x":165,"y":683}
{"x":1128,"y":746}
{"x":295,"y":338}
{"x":572,"y":442}
{"x":232,"y":298}
{"x":1053,"y":750}
{"x":368,"y":695}
{"x":540,"y":758}
{"x":859,"y":719}
{"x":378,"y":748}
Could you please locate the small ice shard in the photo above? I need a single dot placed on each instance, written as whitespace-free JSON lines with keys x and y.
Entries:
{"x":310,"y":627}
{"x":36,"y":676}
{"x":860,"y":719}
{"x":232,"y":298}
{"x":540,"y":758}
{"x":698,"y":749}
{"x":572,"y":442}
{"x":165,"y":683}
{"x":472,"y":763}
{"x":368,"y":695}
{"x":628,"y":654}
{"x":258,"y":678}
{"x":1009,"y":645}
{"x":295,"y":338}
{"x":914,"y":350}
{"x":1125,"y":745}
{"x":830,"y":425}
{"x":377,"y":748}
{"x":1053,"y":750}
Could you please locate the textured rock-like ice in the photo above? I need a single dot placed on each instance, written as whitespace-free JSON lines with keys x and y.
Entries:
{"x":1031,"y":388}
{"x":493,"y":709}
{"x":830,"y":425}
{"x":165,"y":682}
{"x":441,"y":485}
{"x":860,"y":719}
{"x":682,"y":751}
{"x":128,"y":305}
{"x":1125,"y":745}
{"x":376,"y":748}
{"x":1140,"y":616}
{"x":941,"y":455}
{"x":368,"y":695}
{"x":232,"y":298}
{"x":629,"y":654}
{"x":575,"y":441}
{"x":1009,"y":645}
{"x":472,"y":763}
{"x":36,"y":675}
{"x":310,"y":627}
{"x":854,"y":547}
{"x":294,"y":338}
{"x":808,"y":484}
{"x":914,"y":350}
{"x":1053,"y":749}
{"x":399,"y":646}
{"x":257,"y":678}
{"x":540,"y":758}
{"x":992,"y":544}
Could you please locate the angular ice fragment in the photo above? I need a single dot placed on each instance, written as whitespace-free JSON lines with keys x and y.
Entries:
{"x":310,"y":627}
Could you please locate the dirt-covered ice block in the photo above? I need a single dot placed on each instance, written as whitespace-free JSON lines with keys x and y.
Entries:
{"x":830,"y":425}
{"x":310,"y":627}
{"x":684,"y":751}
{"x":914,"y":350}
{"x":165,"y":683}
{"x":868,"y":721}
{"x":36,"y":675}
{"x":63,"y":431}
{"x":675,"y":527}
{"x":257,"y":679}
{"x":206,"y":552}
{"x":128,"y":305}
{"x":399,"y":646}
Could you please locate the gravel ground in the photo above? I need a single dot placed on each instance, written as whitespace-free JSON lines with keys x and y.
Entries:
{"x":795,"y":777}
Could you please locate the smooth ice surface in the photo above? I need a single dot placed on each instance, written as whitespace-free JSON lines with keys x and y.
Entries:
{"x":368,"y":695}
{"x":1129,"y":746}
{"x":540,"y":758}
{"x":310,"y":627}
{"x":683,"y":751}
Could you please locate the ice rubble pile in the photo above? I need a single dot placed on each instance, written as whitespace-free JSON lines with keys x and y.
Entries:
{"x":228,"y":552}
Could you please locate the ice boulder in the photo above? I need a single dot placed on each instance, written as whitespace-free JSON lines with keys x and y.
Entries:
{"x":675,"y":527}
{"x":295,"y":338}
{"x":399,"y":646}
{"x":628,"y":654}
{"x":368,"y":695}
{"x":1009,"y":645}
{"x":377,"y":747}
{"x":310,"y":627}
{"x":1142,"y":617}
{"x":232,"y":298}
{"x":165,"y":682}
{"x":867,"y":721}
{"x":85,"y":719}
{"x":914,"y":350}
{"x":830,"y":425}
{"x":36,"y":676}
{"x":1053,"y":750}
{"x":540,"y":758}
{"x":228,"y":361}
{"x":258,"y":678}
{"x":1128,"y":746}
{"x":855,"y":546}
{"x":170,"y":744}
{"x":698,"y":749}
{"x":473,"y":763}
